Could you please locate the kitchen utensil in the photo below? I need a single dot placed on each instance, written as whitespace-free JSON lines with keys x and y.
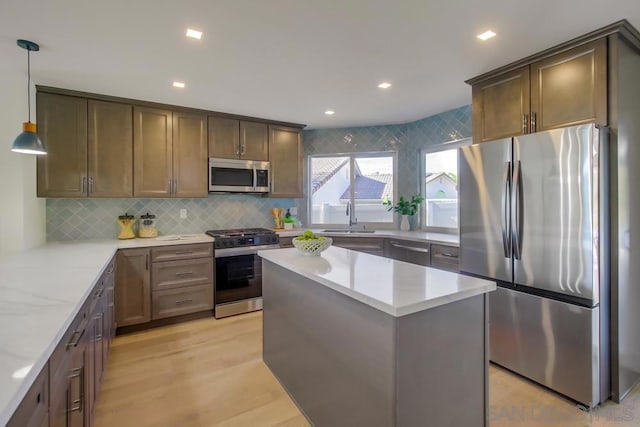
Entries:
{"x":277,"y":216}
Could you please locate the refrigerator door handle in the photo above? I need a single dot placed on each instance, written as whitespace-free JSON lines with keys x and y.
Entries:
{"x":517,"y":206}
{"x":506,"y":219}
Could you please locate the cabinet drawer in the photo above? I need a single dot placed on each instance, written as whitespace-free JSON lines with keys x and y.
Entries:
{"x":71,"y":339}
{"x":34,"y":408}
{"x":174,"y":302}
{"x":445,"y":257}
{"x":177,"y":274}
{"x":176,"y":252}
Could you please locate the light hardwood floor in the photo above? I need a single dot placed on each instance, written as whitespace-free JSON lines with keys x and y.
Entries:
{"x":210,"y":373}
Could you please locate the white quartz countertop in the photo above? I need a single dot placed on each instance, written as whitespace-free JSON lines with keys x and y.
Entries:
{"x":394,"y":287}
{"x":416,"y":236}
{"x":41,"y":291}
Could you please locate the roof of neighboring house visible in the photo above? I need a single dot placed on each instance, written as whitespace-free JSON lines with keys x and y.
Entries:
{"x":324,"y":168}
{"x":434,"y":176}
{"x":371,"y":187}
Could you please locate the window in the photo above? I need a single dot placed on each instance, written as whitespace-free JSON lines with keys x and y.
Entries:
{"x":440,"y":186}
{"x":351,"y":186}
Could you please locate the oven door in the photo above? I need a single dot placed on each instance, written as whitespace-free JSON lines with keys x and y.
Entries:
{"x":238,"y":278}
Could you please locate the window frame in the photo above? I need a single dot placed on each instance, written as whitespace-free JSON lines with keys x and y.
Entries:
{"x":352,"y":156}
{"x":443,"y":146}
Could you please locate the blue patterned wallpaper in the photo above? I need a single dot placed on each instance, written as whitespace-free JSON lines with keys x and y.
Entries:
{"x":76,"y":219}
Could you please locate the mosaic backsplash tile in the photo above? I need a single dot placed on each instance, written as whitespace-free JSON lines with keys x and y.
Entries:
{"x":81,"y":219}
{"x":78,"y":219}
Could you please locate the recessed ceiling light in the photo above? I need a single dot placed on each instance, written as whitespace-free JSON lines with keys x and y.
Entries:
{"x":194,"y":34}
{"x":384,"y":85}
{"x":329,"y":112}
{"x":178,"y":84}
{"x":486,"y":35}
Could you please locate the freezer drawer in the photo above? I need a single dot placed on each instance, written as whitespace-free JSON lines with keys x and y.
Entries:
{"x":551,"y":342}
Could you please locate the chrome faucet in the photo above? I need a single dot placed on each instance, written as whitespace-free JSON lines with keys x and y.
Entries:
{"x":352,"y":220}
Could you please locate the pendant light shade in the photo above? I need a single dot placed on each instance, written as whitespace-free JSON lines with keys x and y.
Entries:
{"x":28,"y":142}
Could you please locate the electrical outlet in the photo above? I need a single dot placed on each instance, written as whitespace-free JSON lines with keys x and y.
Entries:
{"x":183,"y":213}
{"x":293,"y":211}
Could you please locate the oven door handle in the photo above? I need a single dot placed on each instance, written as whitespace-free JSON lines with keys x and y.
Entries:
{"x":243,"y":250}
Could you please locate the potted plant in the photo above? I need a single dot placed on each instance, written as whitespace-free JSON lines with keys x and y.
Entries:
{"x":406,"y":208}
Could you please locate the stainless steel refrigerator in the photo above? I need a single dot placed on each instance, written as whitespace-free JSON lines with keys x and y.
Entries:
{"x":533,"y":217}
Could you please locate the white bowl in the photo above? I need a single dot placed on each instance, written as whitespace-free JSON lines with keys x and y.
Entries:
{"x":313,"y":246}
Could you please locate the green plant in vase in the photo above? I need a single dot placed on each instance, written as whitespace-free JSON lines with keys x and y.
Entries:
{"x":406,"y":208}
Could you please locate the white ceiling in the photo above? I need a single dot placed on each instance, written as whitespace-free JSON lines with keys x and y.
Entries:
{"x":291,"y":60}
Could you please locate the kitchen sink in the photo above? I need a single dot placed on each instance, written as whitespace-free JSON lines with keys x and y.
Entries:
{"x":349,"y":231}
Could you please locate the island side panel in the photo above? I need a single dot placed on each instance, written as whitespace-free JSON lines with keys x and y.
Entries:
{"x":333,"y":355}
{"x":443,"y":365}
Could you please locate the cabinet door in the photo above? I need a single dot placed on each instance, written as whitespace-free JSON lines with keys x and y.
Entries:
{"x":152,"y":152}
{"x":224,"y":138}
{"x":110,"y":149}
{"x":285,"y":160}
{"x":445,"y":257}
{"x":501,"y":106}
{"x":62,"y":126}
{"x":190,"y":161}
{"x":570,"y":88}
{"x":254,"y":141}
{"x":133,"y":287}
{"x":33,"y":411}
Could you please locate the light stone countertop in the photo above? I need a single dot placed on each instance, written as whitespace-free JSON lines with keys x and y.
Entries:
{"x":394,"y":287}
{"x":41,"y":291}
{"x":415,"y":236}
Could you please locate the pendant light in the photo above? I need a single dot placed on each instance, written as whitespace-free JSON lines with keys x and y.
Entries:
{"x":28,"y":142}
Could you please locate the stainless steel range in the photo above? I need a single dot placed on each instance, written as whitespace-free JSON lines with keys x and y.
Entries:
{"x":238,"y":269}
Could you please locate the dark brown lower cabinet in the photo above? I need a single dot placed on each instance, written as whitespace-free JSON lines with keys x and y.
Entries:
{"x":34,"y":408}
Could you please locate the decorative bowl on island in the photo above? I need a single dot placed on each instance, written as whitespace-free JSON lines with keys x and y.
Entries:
{"x":310,"y":244}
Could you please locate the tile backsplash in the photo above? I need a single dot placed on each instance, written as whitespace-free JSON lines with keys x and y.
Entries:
{"x":81,"y":219}
{"x":78,"y":219}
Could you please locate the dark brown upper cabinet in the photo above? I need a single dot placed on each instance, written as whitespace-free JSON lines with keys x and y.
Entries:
{"x":238,"y":139}
{"x":170,"y":153}
{"x":89,"y":147}
{"x":285,"y":157}
{"x":557,"y":89}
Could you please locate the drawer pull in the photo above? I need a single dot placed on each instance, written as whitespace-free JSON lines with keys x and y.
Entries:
{"x":184,"y":252}
{"x":184,"y":301}
{"x":99,"y":292}
{"x":448,"y":255}
{"x":410,"y":248}
{"x":75,"y":339}
{"x":184,"y":273}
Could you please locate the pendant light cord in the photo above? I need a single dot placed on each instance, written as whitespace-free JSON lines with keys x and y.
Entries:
{"x":29,"y":82}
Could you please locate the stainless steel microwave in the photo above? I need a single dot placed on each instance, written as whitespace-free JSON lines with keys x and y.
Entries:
{"x":238,"y":176}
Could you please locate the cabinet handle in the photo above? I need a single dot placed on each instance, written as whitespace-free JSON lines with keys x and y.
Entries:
{"x":146,"y":262}
{"x":76,"y":404}
{"x":410,"y":248}
{"x":448,"y":255}
{"x":83,"y":184}
{"x":99,"y":292}
{"x":75,"y":339}
{"x":175,"y":186}
{"x":534,"y":125}
{"x":184,"y":301}
{"x":244,"y":148}
{"x":90,"y":184}
{"x":184,"y":273}
{"x":170,"y":186}
{"x":99,"y":317}
{"x":238,"y":149}
{"x":184,"y":252}
{"x":524,"y":123}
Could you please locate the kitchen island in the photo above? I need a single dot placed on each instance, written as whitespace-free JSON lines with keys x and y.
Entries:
{"x":358,"y":339}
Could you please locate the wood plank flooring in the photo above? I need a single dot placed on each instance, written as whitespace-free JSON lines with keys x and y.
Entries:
{"x":210,"y":373}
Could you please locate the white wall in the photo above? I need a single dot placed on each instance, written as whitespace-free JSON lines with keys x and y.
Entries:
{"x":22,"y":215}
